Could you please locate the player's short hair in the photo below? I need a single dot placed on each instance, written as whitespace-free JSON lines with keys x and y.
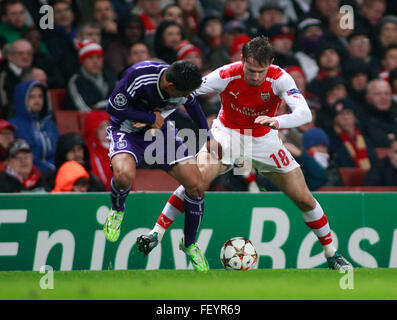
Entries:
{"x":185,"y":75}
{"x":259,"y":49}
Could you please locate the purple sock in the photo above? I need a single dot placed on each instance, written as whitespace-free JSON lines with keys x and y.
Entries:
{"x":118,"y":196}
{"x":194,"y":210}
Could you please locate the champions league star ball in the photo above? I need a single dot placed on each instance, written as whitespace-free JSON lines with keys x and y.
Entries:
{"x":238,"y":254}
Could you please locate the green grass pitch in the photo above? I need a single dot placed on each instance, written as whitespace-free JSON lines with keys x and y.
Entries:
{"x":189,"y":285}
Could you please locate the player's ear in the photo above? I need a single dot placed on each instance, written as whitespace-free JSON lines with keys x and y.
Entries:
{"x":170,"y":85}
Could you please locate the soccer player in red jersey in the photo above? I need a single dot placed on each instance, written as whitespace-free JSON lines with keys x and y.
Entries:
{"x":251,"y":91}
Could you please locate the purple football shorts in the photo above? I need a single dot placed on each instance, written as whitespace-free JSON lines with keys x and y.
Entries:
{"x":161,"y":147}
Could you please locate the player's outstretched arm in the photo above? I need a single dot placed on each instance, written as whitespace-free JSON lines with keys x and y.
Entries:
{"x":300,"y":114}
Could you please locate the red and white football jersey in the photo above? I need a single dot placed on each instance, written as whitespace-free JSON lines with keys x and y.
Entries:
{"x":242,"y":103}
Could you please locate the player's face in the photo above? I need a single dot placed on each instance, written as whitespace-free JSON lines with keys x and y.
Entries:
{"x":254,"y":73}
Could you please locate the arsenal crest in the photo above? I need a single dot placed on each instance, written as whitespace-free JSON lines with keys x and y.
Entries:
{"x":265,"y":96}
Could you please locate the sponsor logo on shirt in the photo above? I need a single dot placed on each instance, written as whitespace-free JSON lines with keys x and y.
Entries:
{"x":248,"y":111}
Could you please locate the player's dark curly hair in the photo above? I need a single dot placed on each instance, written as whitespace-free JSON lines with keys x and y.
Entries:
{"x":185,"y":75}
{"x":259,"y":49}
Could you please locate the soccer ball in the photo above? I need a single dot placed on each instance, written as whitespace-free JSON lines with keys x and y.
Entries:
{"x":238,"y":254}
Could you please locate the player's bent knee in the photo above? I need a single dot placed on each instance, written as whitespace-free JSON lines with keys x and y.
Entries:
{"x":124,"y":177}
{"x":195,"y":192}
{"x":306,"y":203}
{"x":195,"y":187}
{"x":124,"y":170}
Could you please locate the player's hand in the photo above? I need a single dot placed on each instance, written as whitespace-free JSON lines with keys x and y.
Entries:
{"x":159,"y":122}
{"x":138,"y":124}
{"x":267,"y":121}
{"x":215,"y":149}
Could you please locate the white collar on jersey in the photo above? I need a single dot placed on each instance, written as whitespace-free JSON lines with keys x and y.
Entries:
{"x":158,"y":83}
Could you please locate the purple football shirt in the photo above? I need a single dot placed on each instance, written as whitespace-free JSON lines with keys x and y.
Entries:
{"x":138,"y":95}
{"x":134,"y":99}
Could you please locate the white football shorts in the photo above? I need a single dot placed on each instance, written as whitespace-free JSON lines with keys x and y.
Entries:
{"x":266,"y":153}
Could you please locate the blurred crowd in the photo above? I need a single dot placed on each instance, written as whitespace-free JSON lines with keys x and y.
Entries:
{"x":343,"y":61}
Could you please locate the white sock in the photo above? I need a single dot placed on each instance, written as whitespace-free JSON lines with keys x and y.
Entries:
{"x":329,"y":250}
{"x":160,"y":231}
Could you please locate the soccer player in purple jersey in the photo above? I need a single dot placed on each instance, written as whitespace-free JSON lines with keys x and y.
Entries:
{"x":142,"y":100}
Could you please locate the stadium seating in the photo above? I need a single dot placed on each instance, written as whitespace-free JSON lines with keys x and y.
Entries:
{"x":82,"y":116}
{"x":57,"y":97}
{"x":70,"y":121}
{"x":154,"y":180}
{"x":352,"y":177}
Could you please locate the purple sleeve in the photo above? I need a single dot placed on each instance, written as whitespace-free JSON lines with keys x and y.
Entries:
{"x":121,"y":105}
{"x":131,"y":114}
{"x":194,"y":110}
